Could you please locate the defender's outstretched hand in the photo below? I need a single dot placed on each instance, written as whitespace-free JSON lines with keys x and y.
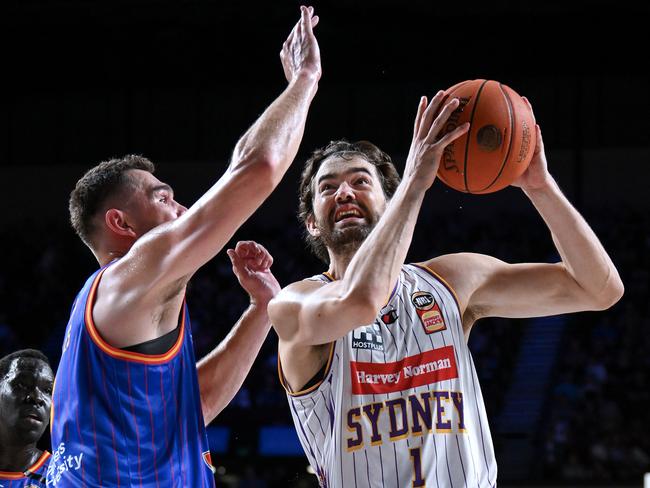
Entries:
{"x":427,"y":146}
{"x":251,"y":263}
{"x":300,"y":53}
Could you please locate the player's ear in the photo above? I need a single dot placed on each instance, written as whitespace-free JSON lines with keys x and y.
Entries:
{"x":310,"y":223}
{"x":116,"y":221}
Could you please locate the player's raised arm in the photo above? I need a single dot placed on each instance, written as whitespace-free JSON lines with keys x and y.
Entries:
{"x":312,"y":314}
{"x":222,"y":372}
{"x":585,"y":279}
{"x":259,"y":161}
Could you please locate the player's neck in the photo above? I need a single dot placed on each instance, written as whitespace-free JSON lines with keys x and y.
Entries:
{"x":18,"y":458}
{"x":339,"y":264}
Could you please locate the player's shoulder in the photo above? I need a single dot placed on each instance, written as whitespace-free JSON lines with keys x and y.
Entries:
{"x":298,"y":289}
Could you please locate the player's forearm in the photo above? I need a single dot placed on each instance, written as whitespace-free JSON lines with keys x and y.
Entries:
{"x":375,"y":267}
{"x":222,"y":372}
{"x":275,"y":137}
{"x":582,"y":253}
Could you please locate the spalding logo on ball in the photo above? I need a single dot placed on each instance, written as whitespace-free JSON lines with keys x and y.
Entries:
{"x":499,"y":144}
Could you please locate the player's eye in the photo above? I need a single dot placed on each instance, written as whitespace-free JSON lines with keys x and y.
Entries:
{"x":326,"y":187}
{"x":362,"y":181}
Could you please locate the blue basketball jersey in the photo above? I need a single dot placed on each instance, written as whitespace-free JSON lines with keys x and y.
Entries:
{"x":125,"y":419}
{"x":32,"y":477}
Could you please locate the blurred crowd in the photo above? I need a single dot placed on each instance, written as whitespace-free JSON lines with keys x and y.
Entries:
{"x":595,"y":427}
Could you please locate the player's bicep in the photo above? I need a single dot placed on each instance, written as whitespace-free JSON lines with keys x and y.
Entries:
{"x":526,"y":290}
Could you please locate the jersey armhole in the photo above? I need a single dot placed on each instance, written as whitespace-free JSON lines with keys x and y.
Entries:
{"x":325,"y":372}
{"x":122,"y":354}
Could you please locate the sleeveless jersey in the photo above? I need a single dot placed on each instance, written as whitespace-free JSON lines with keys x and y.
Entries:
{"x":400,"y":404}
{"x":32,"y":477}
{"x":126,"y":419}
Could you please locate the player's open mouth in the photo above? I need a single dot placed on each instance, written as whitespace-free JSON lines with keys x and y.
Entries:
{"x":347,"y":212}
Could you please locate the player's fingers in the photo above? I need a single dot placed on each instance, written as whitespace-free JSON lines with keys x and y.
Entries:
{"x":245,"y":249}
{"x":287,"y":44}
{"x":267,"y":261}
{"x":237,"y":263}
{"x":309,"y":21}
{"x":453,"y":135}
{"x":314,"y":21}
{"x":539,"y":143}
{"x":429,"y":114}
{"x":302,"y":23}
{"x":530,"y":107}
{"x":418,"y":116}
{"x":441,"y":120}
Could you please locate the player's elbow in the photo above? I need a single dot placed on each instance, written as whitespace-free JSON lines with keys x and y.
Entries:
{"x":264,"y":165}
{"x":611,"y":293}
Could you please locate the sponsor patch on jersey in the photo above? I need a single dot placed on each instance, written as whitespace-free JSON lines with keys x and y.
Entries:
{"x":388,"y":316}
{"x":368,"y":337}
{"x":429,"y":312}
{"x":422,"y":369}
{"x":207,"y":459}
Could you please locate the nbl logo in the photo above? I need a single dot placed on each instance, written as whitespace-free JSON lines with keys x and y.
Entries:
{"x":428,"y":311}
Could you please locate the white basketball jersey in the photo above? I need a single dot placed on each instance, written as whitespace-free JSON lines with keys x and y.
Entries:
{"x":399,"y":405}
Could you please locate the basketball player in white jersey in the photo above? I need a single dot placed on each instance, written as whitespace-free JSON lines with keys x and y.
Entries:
{"x":373,"y":353}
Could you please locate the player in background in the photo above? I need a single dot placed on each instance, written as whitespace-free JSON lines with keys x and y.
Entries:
{"x":373,"y":353}
{"x":25,"y":397}
{"x":129,"y":406}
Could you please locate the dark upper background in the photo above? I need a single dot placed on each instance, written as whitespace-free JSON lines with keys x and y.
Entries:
{"x":180,"y":81}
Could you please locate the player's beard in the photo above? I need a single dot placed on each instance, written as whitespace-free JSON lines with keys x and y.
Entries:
{"x":346,"y":240}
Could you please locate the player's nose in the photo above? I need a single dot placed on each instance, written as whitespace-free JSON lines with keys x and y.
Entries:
{"x":34,"y":397}
{"x":180,"y":209}
{"x":344,"y":193}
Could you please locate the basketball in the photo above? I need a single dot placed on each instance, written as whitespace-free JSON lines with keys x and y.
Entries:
{"x":499,"y":144}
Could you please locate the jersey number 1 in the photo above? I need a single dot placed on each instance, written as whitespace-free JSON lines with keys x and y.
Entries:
{"x":416,"y":456}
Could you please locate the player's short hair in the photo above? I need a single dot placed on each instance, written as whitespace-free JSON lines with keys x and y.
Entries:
{"x":345,"y":150}
{"x":5,"y":362}
{"x":96,"y":186}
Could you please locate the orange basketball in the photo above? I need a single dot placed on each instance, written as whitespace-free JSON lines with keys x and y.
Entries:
{"x":499,"y":144}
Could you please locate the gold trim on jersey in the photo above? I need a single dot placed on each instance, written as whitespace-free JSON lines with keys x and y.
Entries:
{"x":285,"y":385}
{"x":116,"y":353}
{"x":328,"y":275}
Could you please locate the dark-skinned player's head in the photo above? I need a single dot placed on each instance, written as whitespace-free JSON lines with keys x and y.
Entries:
{"x":118,"y":201}
{"x":343,"y":191}
{"x":26,"y":381}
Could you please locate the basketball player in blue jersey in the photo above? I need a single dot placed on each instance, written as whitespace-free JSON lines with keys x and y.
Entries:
{"x":130,"y":403}
{"x":25,"y":398}
{"x":373,"y":353}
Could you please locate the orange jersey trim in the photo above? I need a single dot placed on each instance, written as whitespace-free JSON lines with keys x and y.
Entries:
{"x":13,"y":475}
{"x":52,"y":405}
{"x":311,"y":388}
{"x":441,"y":280}
{"x":119,"y":353}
